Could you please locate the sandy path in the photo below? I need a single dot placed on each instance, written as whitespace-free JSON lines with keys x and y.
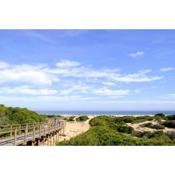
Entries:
{"x":73,"y":129}
{"x":138,"y":127}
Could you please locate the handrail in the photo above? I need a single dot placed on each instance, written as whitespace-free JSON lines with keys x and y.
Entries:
{"x":15,"y":133}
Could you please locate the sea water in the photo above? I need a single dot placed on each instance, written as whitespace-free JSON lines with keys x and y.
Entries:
{"x":105,"y":112}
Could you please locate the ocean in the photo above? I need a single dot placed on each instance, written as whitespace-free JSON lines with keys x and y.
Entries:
{"x":105,"y":112}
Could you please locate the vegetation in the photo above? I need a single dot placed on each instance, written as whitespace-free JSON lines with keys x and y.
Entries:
{"x":10,"y":115}
{"x":171,"y":117}
{"x":54,"y":116}
{"x":82,"y":118}
{"x":115,"y":131}
{"x":169,"y":123}
{"x":70,"y":119}
{"x":148,"y":134}
{"x":125,"y":129}
{"x":131,"y":119}
{"x":153,"y":126}
{"x":161,"y":115}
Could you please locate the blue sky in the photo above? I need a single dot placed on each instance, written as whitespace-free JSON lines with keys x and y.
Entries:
{"x":88,"y":69}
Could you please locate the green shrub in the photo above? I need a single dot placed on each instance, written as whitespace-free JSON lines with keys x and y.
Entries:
{"x":125,"y":119}
{"x":103,"y":121}
{"x":147,"y":125}
{"x":132,"y":119}
{"x":103,"y":132}
{"x":169,"y":123}
{"x":9,"y":115}
{"x":148,"y":134}
{"x":158,"y":126}
{"x":153,"y":126}
{"x":70,"y":119}
{"x":171,"y":117}
{"x":160,"y":115}
{"x":53,"y":116}
{"x":82,"y":118}
{"x":144,"y":134}
{"x":143,"y":119}
{"x":125,"y":129}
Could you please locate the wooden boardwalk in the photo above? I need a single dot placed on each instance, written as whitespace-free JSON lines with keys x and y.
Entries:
{"x":32,"y":134}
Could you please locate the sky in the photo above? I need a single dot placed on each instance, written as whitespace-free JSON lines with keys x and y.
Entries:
{"x":88,"y":69}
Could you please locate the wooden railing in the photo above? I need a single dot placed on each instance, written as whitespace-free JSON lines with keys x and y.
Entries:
{"x":31,"y":134}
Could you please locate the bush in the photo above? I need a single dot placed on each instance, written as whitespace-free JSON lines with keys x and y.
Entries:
{"x":153,"y":126}
{"x":70,"y":119}
{"x":103,"y":132}
{"x":158,"y":126}
{"x":169,"y":123}
{"x":54,"y":116}
{"x":171,"y":117}
{"x":144,"y":134}
{"x":159,"y":115}
{"x":140,"y":119}
{"x":125,"y":129}
{"x":148,"y":134}
{"x":147,"y":125}
{"x":9,"y":115}
{"x":103,"y":121}
{"x":82,"y":118}
{"x":132,"y":119}
{"x":125,"y":119}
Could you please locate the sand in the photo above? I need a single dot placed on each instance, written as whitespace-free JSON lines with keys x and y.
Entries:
{"x":138,"y":127}
{"x":73,"y":129}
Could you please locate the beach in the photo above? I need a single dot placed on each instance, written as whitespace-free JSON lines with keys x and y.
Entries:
{"x":75,"y":128}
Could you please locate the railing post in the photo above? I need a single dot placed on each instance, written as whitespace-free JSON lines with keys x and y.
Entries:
{"x":64,"y":125}
{"x":33,"y":133}
{"x":26,"y":134}
{"x":49,"y":128}
{"x":11,"y":131}
{"x":15,"y":137}
{"x":44,"y":129}
{"x":39,"y":130}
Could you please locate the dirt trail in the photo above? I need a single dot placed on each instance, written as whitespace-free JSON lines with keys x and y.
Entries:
{"x":73,"y":129}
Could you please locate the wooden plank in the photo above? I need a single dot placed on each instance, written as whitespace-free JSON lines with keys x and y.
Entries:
{"x":25,"y":135}
{"x":33,"y":133}
{"x":15,"y":136}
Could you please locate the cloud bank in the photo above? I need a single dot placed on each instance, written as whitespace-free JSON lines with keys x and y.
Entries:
{"x":68,"y":78}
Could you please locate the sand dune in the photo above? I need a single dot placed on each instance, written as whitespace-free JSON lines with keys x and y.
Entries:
{"x":73,"y":129}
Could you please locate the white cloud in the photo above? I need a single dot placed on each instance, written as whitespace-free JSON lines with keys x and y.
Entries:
{"x":136,"y":54}
{"x":25,"y":90}
{"x":74,"y":70}
{"x":140,"y":76}
{"x":67,"y":64}
{"x":167,"y":69}
{"x":26,"y":74}
{"x":109,"y":83}
{"x":76,"y":88}
{"x":67,"y":78}
{"x":111,"y":92}
{"x":3,"y":65}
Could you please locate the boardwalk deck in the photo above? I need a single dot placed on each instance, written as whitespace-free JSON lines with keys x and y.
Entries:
{"x":34,"y":134}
